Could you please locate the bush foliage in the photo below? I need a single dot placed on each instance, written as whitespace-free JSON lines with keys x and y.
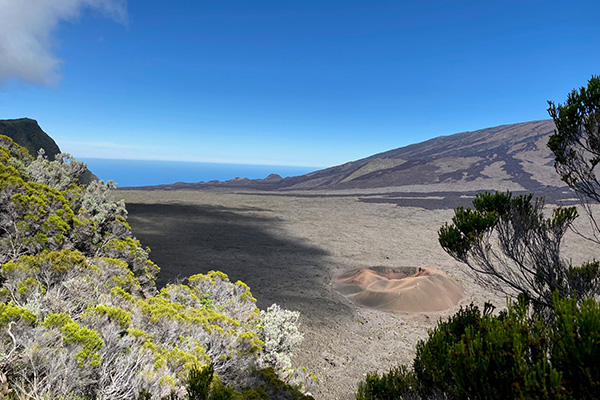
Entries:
{"x":80,"y":315}
{"x":512,"y":248}
{"x":576,"y":140}
{"x":516,"y":354}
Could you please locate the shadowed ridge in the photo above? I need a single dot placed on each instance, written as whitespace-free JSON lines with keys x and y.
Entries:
{"x":29,"y":134}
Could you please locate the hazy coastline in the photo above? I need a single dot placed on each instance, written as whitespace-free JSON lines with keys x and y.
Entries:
{"x":133,"y":173}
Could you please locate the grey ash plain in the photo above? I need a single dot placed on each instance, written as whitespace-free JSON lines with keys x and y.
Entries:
{"x":288,"y":238}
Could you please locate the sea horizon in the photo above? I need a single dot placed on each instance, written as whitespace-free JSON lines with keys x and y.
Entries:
{"x":132,"y":173}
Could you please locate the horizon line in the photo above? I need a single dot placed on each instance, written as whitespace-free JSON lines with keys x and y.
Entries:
{"x":258,"y":164}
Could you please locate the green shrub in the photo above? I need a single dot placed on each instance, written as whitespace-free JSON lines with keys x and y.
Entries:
{"x":576,"y":347}
{"x":201,"y":384}
{"x":198,"y":384}
{"x":482,"y":356}
{"x":221,"y":392}
{"x":398,"y":383}
{"x":517,"y":354}
{"x":144,"y":395}
{"x":269,"y":385}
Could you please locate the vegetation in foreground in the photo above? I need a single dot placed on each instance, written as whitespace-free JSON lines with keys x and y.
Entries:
{"x":81,"y":318}
{"x":516,"y":354}
{"x":547,"y":343}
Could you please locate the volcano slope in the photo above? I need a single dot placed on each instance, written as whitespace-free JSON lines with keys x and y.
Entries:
{"x":507,"y":157}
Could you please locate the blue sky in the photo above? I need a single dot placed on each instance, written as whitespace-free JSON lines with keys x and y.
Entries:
{"x":310,"y":83}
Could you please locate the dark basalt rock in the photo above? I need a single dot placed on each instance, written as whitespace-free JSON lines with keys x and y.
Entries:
{"x":27,"y":133}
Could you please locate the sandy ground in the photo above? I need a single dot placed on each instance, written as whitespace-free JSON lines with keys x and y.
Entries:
{"x":288,"y":249}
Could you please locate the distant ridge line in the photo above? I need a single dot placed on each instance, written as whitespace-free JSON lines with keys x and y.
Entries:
{"x":505,"y":157}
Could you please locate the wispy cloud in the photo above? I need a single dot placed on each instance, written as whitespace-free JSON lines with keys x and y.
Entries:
{"x":106,"y":149}
{"x":26,"y":35}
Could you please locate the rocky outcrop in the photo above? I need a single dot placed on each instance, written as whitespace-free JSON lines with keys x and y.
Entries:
{"x":27,"y":133}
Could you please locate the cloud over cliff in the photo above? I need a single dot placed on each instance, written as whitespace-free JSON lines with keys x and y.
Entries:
{"x":26,"y":35}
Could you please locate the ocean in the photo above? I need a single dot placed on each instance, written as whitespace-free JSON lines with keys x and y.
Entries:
{"x":145,"y":173}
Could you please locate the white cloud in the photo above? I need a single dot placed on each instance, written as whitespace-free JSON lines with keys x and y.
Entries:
{"x":26,"y":29}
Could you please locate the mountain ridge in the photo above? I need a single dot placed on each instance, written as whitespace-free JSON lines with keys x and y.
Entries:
{"x":506,"y":157}
{"x":28,"y":133}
